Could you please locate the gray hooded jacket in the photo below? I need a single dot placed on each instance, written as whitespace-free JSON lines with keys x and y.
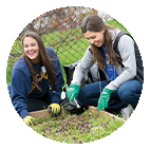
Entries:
{"x":126,"y":49}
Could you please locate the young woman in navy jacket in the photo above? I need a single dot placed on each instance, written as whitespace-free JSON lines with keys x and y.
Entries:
{"x":37,"y":78}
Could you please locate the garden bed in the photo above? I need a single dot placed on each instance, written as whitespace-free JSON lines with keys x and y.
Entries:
{"x":86,"y":127}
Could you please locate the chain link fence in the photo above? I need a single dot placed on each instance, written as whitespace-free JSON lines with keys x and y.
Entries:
{"x":60,"y":29}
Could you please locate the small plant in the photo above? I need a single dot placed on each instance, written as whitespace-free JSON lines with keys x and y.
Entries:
{"x":85,"y":127}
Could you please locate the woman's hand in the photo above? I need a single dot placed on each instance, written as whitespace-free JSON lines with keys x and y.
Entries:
{"x":54,"y":108}
{"x":29,"y":120}
{"x":73,"y":91}
{"x":104,"y":98}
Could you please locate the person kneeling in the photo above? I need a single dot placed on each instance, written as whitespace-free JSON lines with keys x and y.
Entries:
{"x":37,"y":79}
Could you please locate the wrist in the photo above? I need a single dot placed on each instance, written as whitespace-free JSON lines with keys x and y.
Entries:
{"x":108,"y":90}
{"x":75,"y":82}
{"x":75,"y":85}
{"x":24,"y":113}
{"x":54,"y":104}
{"x":27,"y":117}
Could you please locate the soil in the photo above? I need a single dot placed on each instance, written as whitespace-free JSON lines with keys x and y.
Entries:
{"x":86,"y":127}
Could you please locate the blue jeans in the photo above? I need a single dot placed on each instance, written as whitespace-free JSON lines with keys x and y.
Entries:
{"x":35,"y":104}
{"x":128,"y":93}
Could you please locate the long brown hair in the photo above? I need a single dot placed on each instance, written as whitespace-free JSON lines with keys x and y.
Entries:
{"x":46,"y":60}
{"x":95,"y":23}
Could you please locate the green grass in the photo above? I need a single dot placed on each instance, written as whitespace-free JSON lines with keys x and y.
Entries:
{"x":117,"y":24}
{"x":87,"y":127}
{"x":69,"y":45}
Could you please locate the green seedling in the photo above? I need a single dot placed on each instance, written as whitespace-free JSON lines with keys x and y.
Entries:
{"x":82,"y":128}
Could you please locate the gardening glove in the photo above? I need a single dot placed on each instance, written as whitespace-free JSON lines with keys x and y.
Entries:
{"x":54,"y":108}
{"x":73,"y":91}
{"x":29,"y":120}
{"x":104,"y":98}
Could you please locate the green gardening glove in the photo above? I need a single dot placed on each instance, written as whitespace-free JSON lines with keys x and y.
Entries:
{"x":104,"y":98}
{"x":73,"y":91}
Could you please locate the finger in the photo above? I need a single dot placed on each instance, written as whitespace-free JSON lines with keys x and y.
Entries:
{"x":29,"y":123}
{"x":106,"y":102}
{"x":56,"y":112}
{"x":72,"y":97}
{"x":98,"y":105}
{"x":69,"y":95}
{"x":102,"y":104}
{"x":53,"y":110}
{"x":69,"y":92}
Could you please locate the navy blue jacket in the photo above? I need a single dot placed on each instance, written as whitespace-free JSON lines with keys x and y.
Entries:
{"x":22,"y":85}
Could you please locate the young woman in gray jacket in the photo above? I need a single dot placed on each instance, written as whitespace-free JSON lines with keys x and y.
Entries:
{"x":124,"y":76}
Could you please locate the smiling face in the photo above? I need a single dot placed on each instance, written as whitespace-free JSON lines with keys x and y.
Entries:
{"x":95,"y":38}
{"x":31,"y":49}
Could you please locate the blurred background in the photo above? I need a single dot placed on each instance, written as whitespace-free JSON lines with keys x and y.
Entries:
{"x":60,"y":29}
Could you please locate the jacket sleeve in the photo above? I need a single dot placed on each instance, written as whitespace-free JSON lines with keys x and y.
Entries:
{"x":126,"y":50}
{"x":58,"y":74}
{"x":83,"y":67}
{"x":18,"y":93}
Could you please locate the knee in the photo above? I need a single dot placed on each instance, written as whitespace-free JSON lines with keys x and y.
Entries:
{"x":126,"y":94}
{"x":80,"y":94}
